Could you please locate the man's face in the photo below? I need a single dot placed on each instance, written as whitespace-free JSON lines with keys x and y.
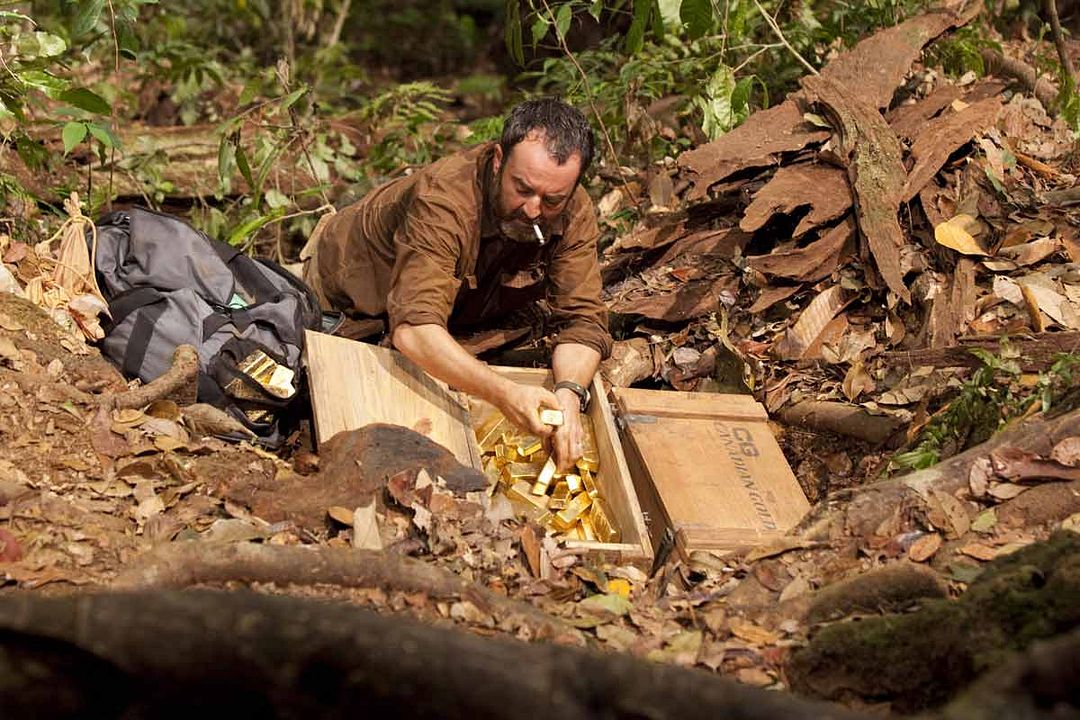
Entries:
{"x":531,"y":187}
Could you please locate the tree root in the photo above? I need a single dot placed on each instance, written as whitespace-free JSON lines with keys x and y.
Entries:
{"x":242,"y":654}
{"x":1044,"y":91}
{"x":181,"y":565}
{"x":861,"y":511}
{"x":185,"y":368}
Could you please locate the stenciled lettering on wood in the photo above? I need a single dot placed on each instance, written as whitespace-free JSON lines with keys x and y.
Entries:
{"x":739,"y":445}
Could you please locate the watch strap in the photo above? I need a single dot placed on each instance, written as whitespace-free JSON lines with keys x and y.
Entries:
{"x":581,"y":392}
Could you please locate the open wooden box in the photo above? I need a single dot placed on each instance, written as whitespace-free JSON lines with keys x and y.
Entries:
{"x":354,"y":384}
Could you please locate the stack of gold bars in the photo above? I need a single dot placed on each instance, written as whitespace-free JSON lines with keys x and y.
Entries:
{"x":568,"y":505}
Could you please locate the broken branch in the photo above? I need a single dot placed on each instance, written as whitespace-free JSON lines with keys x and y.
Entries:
{"x":185,"y":368}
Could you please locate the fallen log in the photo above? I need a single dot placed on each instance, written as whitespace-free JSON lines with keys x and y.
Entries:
{"x":1036,"y":352}
{"x":841,"y":419}
{"x":170,"y":654}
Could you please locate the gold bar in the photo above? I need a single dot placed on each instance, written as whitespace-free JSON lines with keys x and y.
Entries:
{"x":521,"y":471}
{"x":519,"y":492}
{"x":587,"y":529}
{"x":573,"y":510}
{"x":528,"y":445}
{"x":489,"y":435}
{"x":551,"y":417}
{"x":544,"y":519}
{"x":573,"y":482}
{"x":559,"y":496}
{"x":601,"y":518}
{"x":547,"y":473}
{"x":589,"y":483}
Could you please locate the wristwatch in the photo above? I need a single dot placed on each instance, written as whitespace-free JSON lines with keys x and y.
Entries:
{"x":581,"y":392}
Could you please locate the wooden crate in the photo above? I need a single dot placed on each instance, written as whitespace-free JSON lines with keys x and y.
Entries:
{"x":354,"y":384}
{"x":708,"y":468}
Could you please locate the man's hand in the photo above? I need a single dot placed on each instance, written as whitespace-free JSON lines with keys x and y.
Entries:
{"x":567,"y":442}
{"x":520,"y":404}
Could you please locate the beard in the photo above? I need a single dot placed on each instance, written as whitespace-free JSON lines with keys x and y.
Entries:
{"x":514,"y":225}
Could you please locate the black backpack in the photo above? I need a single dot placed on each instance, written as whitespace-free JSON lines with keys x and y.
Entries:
{"x":168,"y":284}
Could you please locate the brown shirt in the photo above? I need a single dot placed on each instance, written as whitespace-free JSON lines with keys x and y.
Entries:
{"x":425,"y":249}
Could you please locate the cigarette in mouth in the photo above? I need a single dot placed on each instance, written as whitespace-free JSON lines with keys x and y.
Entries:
{"x":539,"y":235}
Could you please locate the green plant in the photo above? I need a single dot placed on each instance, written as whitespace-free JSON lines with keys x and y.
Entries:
{"x":986,"y":401}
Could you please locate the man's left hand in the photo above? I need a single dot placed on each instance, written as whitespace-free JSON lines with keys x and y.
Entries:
{"x":567,"y":440}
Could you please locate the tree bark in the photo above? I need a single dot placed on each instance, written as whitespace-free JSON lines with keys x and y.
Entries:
{"x":1037,"y":352}
{"x":248,"y":655}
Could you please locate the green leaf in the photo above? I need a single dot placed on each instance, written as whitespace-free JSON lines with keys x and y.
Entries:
{"x":612,"y":604}
{"x":74,"y":133}
{"x":635,"y":36}
{"x":226,"y":159}
{"x":514,"y":43}
{"x":563,"y":18}
{"x":244,"y":165}
{"x":697,"y":15}
{"x":103,"y":135}
{"x":46,"y":82}
{"x":277,"y":199}
{"x":86,"y":99}
{"x":237,"y":236}
{"x":292,"y":97}
{"x":539,"y":29}
{"x":596,"y":8}
{"x":15,"y":16}
{"x":250,"y":91}
{"x":87,"y":17}
{"x":50,"y":45}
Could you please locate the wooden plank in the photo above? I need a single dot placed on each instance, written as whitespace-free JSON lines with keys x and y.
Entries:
{"x":719,"y":481}
{"x":634,"y":401}
{"x":354,"y":384}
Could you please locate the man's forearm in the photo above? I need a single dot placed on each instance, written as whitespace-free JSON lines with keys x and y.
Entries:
{"x":435,"y":350}
{"x":574,"y":362}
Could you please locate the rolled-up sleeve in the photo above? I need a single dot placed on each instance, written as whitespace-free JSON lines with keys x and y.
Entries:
{"x":427,"y":245}
{"x":574,"y":293}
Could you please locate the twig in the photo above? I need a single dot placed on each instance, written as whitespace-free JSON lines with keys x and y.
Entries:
{"x":283,"y":76}
{"x":185,"y":368}
{"x":116,"y":70}
{"x":780,"y":36}
{"x":1059,"y":40}
{"x":322,"y":208}
{"x":997,"y":64}
{"x":588,"y":96}
{"x":339,"y":24}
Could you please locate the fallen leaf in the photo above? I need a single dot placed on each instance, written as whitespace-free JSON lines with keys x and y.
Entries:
{"x":956,"y":512}
{"x":979,"y":551}
{"x":821,"y":310}
{"x":1071,"y":523}
{"x":979,"y":477}
{"x":1067,"y":452}
{"x":755,"y":677}
{"x":606,"y":604}
{"x":751,"y":633}
{"x":956,"y":234}
{"x":340,"y":514}
{"x":365,"y":528}
{"x":924,"y":548}
{"x":857,"y":381}
{"x":618,"y":586}
{"x":1005,"y":491}
{"x":984,"y":521}
{"x":10,"y":550}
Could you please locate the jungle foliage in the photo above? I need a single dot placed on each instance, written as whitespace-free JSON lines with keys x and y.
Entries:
{"x":354,"y":91}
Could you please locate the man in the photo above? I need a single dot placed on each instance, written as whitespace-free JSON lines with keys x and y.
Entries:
{"x":464,"y":242}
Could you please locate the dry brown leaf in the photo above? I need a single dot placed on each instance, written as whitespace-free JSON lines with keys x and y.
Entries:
{"x":1067,"y":452}
{"x":979,"y":476}
{"x":956,"y":512}
{"x":979,"y":551}
{"x":340,"y":514}
{"x":1005,"y":491}
{"x":924,"y":548}
{"x":811,"y":322}
{"x":857,"y":381}
{"x":957,"y":234}
{"x":751,"y":633}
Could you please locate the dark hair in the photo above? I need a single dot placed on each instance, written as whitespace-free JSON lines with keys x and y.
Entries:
{"x":565,"y":129}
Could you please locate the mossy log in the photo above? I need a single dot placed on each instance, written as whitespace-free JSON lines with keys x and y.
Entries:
{"x":921,"y":659}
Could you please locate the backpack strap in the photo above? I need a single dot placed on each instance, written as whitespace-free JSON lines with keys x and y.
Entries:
{"x":139,"y":342}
